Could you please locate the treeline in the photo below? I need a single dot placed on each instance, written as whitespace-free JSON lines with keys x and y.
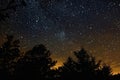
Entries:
{"x":36,"y":64}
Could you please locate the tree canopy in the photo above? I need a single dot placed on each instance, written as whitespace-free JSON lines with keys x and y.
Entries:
{"x":37,"y":64}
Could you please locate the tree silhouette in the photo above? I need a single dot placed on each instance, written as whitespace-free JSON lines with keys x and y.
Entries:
{"x":104,"y":73}
{"x":115,"y":77}
{"x":85,"y":68}
{"x":9,"y":5}
{"x":9,"y":51}
{"x":67,"y":71}
{"x":35,"y":65}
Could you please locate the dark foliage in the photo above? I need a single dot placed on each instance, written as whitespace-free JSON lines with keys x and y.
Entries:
{"x":85,"y":68}
{"x":6,"y":6}
{"x":115,"y":77}
{"x":9,"y":52}
{"x":36,"y":64}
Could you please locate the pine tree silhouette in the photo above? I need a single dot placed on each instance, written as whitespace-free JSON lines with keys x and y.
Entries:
{"x":85,"y":68}
{"x":67,"y":71}
{"x":104,"y":73}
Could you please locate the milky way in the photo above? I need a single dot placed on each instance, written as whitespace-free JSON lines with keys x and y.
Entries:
{"x":67,"y":25}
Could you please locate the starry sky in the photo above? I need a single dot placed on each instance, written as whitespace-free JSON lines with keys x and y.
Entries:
{"x":64,"y":26}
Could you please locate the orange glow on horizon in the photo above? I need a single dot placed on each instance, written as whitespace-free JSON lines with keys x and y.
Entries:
{"x":59,"y":64}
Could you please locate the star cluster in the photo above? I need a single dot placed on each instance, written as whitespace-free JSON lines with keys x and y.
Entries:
{"x":67,"y":25}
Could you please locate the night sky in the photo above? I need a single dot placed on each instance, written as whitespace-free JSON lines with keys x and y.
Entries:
{"x":64,"y":26}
